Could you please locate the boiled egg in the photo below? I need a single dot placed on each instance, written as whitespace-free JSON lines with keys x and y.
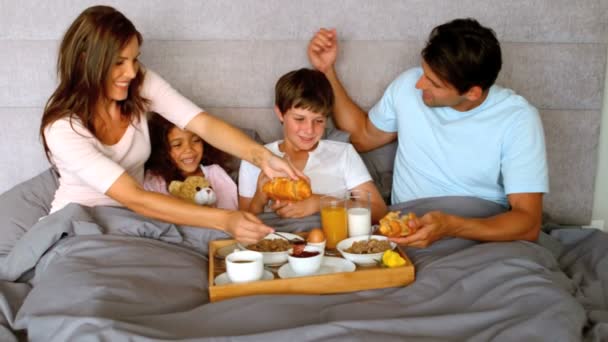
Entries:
{"x":316,"y":235}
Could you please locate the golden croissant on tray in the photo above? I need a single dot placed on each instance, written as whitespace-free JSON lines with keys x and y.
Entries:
{"x":394,"y":225}
{"x":286,"y":189}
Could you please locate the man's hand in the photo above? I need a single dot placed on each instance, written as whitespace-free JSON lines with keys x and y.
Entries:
{"x":429,"y":228}
{"x":522,"y":222}
{"x":323,"y":49}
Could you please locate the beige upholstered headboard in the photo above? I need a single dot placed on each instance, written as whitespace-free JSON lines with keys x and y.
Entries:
{"x":227,"y":54}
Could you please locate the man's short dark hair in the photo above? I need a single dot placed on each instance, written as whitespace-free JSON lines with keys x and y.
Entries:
{"x":464,"y":54}
{"x":305,"y":89}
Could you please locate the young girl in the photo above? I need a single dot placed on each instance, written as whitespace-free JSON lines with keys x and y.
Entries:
{"x":177,"y":154}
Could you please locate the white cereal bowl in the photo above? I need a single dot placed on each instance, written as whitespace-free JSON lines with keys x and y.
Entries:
{"x":308,"y":265}
{"x":275,"y":258}
{"x":362,"y":259}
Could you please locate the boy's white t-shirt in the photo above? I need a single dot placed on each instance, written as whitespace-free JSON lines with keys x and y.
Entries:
{"x":332,"y":167}
{"x":88,"y":168}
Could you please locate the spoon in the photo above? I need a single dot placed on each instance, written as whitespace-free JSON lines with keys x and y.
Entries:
{"x":370,"y":232}
{"x":298,"y":241}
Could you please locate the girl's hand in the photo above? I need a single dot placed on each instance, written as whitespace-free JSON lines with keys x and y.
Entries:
{"x":246,"y":228}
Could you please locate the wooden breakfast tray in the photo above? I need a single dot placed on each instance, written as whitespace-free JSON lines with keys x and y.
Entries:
{"x":363,"y":278}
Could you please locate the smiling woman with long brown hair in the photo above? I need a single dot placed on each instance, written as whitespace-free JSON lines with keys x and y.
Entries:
{"x":95,"y":132}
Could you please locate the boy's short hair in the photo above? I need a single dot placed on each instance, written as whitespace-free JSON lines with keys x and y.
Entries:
{"x":464,"y":54}
{"x":306,"y":89}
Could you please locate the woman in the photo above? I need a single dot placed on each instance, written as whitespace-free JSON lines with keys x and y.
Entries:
{"x":94,"y":128}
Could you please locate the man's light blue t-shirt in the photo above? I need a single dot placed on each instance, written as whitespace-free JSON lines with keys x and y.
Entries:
{"x":495,"y":149}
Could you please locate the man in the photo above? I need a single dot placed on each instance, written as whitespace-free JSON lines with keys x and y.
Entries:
{"x":458,"y":134}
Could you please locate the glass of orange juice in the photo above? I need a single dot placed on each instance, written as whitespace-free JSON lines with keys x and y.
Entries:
{"x":334,"y":220}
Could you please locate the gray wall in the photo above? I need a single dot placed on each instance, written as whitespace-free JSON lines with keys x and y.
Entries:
{"x":226,"y":55}
{"x":600,"y":202}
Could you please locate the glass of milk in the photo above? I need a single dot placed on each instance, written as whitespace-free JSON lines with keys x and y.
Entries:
{"x":358,"y":209}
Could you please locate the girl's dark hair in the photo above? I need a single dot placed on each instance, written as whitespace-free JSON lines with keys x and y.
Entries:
{"x":89,"y":49}
{"x":464,"y":53}
{"x":160,"y":162}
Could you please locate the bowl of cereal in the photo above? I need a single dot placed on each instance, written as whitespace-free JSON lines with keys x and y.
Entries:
{"x":274,"y":248}
{"x":364,"y":252}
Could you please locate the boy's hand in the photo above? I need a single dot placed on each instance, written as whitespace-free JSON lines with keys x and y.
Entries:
{"x":262,"y":179}
{"x":298,"y":209}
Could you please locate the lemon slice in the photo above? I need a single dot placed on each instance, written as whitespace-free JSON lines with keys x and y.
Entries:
{"x":392,"y":259}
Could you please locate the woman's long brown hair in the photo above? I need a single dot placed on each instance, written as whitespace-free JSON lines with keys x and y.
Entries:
{"x":89,"y":49}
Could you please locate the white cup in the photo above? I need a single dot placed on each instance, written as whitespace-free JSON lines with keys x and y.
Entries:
{"x":358,"y":209}
{"x":244,"y":266}
{"x":305,"y":265}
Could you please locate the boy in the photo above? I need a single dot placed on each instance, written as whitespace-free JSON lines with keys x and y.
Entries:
{"x":303,"y":103}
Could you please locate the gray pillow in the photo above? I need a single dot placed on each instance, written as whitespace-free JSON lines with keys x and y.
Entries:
{"x":23,"y":205}
{"x":334,"y":134}
{"x":380,"y":163}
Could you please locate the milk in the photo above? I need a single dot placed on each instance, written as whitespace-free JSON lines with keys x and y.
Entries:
{"x":359,"y":221}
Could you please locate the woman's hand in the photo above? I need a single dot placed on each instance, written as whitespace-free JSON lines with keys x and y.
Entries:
{"x":274,"y":166}
{"x":246,"y":228}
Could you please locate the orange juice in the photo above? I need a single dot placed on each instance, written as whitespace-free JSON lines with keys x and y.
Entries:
{"x":334,"y":223}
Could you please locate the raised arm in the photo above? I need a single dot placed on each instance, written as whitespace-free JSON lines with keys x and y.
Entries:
{"x":322,"y":53}
{"x":522,"y":222}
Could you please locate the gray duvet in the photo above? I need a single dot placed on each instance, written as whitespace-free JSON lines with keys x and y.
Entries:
{"x":107,"y":274}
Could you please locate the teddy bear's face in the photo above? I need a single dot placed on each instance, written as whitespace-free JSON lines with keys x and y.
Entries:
{"x":205,"y":196}
{"x":195,"y":189}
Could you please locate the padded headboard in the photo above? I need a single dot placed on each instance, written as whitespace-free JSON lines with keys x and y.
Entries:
{"x":227,"y":54}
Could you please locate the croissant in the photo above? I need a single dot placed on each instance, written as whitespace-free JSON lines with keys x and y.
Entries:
{"x":286,"y":189}
{"x":392,"y":225}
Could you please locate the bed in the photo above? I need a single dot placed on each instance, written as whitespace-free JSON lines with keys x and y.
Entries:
{"x":109,"y":274}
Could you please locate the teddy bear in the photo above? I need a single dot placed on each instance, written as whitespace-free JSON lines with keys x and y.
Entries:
{"x":195,"y":189}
